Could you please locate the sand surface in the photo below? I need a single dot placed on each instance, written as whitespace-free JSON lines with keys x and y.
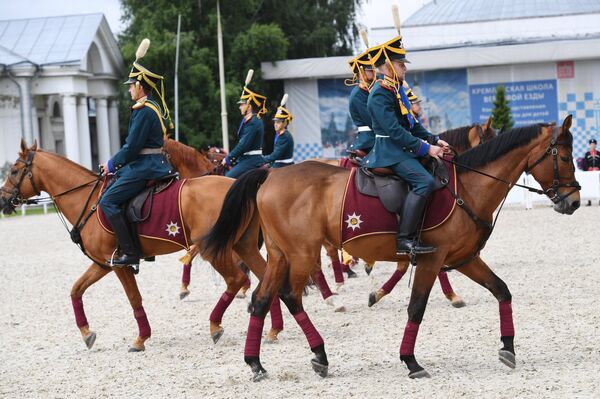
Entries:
{"x":550,"y":262}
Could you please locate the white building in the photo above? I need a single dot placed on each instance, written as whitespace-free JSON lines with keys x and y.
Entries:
{"x":59,"y":84}
{"x":545,"y":52}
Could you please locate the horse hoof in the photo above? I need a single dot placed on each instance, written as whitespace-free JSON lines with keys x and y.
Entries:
{"x":271,"y":340}
{"x":260,"y":375}
{"x":90,"y":339}
{"x":351,"y":274}
{"x":458,"y":303}
{"x":320,"y":369}
{"x":372,"y":299}
{"x":368,"y":270}
{"x":133,"y":349}
{"x":337,"y":305}
{"x":184,"y":294}
{"x":508,"y":358}
{"x":419,"y":374}
{"x":216,"y":336}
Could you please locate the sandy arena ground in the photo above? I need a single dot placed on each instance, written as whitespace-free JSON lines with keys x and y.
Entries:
{"x":550,"y":262}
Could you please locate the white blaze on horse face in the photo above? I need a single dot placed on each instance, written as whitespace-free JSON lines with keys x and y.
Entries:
{"x":353,"y":221}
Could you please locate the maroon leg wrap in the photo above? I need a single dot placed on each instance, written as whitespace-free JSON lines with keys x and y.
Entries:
{"x":507,"y":329}
{"x":253,"y":336}
{"x":445,"y":283}
{"x":322,"y":284}
{"x":345,"y":267}
{"x":338,"y":271}
{"x":392,"y":281}
{"x":187,"y":274}
{"x":311,"y":333}
{"x":142,"y":321}
{"x":408,"y":340}
{"x":217,"y":314}
{"x":276,"y":317}
{"x":247,"y":282}
{"x":80,"y":318}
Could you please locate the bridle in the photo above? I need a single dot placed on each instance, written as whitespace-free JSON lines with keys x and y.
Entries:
{"x":15,"y":194}
{"x":552,"y":149}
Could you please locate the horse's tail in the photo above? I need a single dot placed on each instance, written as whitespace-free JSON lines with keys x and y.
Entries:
{"x":238,"y":209}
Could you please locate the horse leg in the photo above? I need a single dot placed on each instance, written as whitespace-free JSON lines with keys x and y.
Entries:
{"x":291,"y":295}
{"x":246,"y":286}
{"x":91,"y":276}
{"x":334,"y":255}
{"x":185,"y":280}
{"x":234,"y":278}
{"x":454,"y":299}
{"x":479,"y":272}
{"x":330,"y":298}
{"x":389,"y":285}
{"x":426,"y":272}
{"x":132,"y":291}
{"x":262,"y":297}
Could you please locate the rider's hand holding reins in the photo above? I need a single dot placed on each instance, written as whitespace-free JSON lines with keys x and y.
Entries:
{"x":436,"y":151}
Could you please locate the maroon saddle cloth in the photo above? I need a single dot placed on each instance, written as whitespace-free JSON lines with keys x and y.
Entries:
{"x":366,"y":215}
{"x":164,"y":219}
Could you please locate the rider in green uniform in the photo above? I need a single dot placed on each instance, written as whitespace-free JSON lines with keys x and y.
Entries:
{"x":283,"y":147}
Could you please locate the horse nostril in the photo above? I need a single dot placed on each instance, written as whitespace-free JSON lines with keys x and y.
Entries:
{"x":575,"y":204}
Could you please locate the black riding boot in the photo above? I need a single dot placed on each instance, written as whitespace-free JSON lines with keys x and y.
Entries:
{"x":128,"y":251}
{"x":412,"y":216}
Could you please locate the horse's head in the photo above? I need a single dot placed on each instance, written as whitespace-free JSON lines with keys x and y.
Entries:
{"x":20,"y":184}
{"x":481,"y":134}
{"x":551,"y":164}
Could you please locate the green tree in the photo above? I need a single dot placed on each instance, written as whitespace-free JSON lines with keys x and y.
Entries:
{"x":501,"y":113}
{"x":254,"y":31}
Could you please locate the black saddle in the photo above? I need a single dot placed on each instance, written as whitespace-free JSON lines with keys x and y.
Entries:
{"x":390,"y":188}
{"x":133,"y":209}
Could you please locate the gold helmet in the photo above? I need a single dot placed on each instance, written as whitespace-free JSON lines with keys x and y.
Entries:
{"x":282,"y":113}
{"x":249,"y":97}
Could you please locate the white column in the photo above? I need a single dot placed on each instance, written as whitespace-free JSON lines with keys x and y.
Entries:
{"x":25,"y":84}
{"x":113,"y":123}
{"x":102,"y":130}
{"x":69,"y":105}
{"x":85,"y":146}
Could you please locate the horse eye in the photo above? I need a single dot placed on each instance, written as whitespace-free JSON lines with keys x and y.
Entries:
{"x":14,"y":172}
{"x":565,"y":159}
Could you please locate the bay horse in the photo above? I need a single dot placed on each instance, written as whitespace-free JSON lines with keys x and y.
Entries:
{"x":300,"y":207}
{"x":460,"y":140}
{"x":69,"y":184}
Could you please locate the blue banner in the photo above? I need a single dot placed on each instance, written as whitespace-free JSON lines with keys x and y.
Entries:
{"x":530,"y":102}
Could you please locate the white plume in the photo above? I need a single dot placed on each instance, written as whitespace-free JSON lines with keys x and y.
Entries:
{"x":365,"y":39}
{"x":142,"y":48}
{"x":249,"y":76}
{"x":284,"y":99}
{"x":396,"y":16}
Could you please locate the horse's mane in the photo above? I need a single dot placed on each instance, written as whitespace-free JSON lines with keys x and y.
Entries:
{"x":83,"y":169}
{"x":185,"y":155}
{"x":458,"y":137}
{"x":498,"y":146}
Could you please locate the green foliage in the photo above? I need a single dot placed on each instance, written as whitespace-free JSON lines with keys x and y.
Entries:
{"x":254,"y":31}
{"x":501,"y":113}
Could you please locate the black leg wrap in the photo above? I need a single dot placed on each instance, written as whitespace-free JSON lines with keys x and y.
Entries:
{"x":415,"y":371}
{"x":319,"y":363}
{"x":258,"y":371}
{"x":508,"y":344}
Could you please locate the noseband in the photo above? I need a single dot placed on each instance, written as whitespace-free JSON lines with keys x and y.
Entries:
{"x":15,"y":194}
{"x":552,"y":149}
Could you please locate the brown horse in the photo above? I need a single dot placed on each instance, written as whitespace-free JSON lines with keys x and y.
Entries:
{"x":460,"y":140}
{"x":70,"y":184}
{"x":308,"y":197}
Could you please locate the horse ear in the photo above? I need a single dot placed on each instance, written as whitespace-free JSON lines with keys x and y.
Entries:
{"x":23,"y":146}
{"x":34,"y":147}
{"x":474,"y":136}
{"x":567,"y":123}
{"x":487,"y":124}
